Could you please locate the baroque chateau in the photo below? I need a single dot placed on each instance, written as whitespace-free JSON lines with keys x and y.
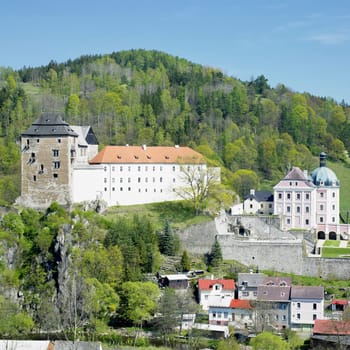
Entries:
{"x":61,"y":163}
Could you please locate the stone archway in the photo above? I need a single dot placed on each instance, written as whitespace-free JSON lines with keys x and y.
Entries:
{"x":321,"y":235}
{"x":332,"y":236}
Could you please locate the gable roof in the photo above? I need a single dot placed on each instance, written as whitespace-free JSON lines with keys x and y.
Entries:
{"x":50,"y":124}
{"x":252,"y":279}
{"x":261,"y":196}
{"x":240,"y":304}
{"x":307,"y":292}
{"x":207,"y":284}
{"x":273,"y":293}
{"x":336,"y":327}
{"x":339,"y":302}
{"x":86,"y":135}
{"x":296,"y":174}
{"x":145,"y":154}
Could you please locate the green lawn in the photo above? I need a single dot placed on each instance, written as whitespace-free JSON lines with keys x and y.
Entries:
{"x":343,"y":173}
{"x":330,"y":252}
{"x":330,"y":243}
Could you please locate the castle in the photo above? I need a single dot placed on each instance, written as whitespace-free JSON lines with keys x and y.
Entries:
{"x":301,"y":202}
{"x":61,"y":163}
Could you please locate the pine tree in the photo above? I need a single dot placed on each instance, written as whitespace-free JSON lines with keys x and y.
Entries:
{"x":168,"y":241}
{"x":185,"y":263}
{"x":215,"y":256}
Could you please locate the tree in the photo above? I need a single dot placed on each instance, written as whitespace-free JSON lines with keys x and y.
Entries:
{"x":215,"y":255}
{"x":169,"y":242}
{"x":185,"y":263}
{"x":199,"y":182}
{"x":268,"y":341}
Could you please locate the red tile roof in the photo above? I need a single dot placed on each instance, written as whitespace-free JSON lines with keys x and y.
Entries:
{"x":207,"y":284}
{"x":240,"y":304}
{"x":146,"y":154}
{"x":339,"y":302}
{"x":332,"y":327}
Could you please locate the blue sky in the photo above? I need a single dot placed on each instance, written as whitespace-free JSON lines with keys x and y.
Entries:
{"x":304,"y":44}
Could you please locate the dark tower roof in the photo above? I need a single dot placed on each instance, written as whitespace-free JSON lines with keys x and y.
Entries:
{"x":50,"y":124}
{"x":323,"y":176}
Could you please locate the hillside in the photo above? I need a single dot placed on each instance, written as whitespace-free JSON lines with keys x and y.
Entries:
{"x":255,"y":132}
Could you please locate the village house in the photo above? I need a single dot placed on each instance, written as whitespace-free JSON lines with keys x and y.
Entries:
{"x":248,"y":285}
{"x":258,"y":202}
{"x":175,"y":281}
{"x":215,"y":292}
{"x":331,"y":334}
{"x":307,"y":305}
{"x":62,"y":163}
{"x":238,"y":313}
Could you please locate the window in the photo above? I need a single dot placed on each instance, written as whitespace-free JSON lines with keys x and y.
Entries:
{"x":321,"y":207}
{"x":121,"y":168}
{"x":288,"y":221}
{"x":333,"y":219}
{"x":314,"y":306}
{"x":55,"y":176}
{"x":333,"y":207}
{"x":298,"y":195}
{"x":174,"y":168}
{"x":105,"y":168}
{"x":113,"y":188}
{"x":307,"y":196}
{"x":146,"y":168}
{"x":138,"y":179}
{"x":205,"y":297}
{"x":270,"y":206}
{"x":161,"y":179}
{"x":333,"y":194}
{"x":154,"y":168}
{"x":298,"y":305}
{"x":284,"y":317}
{"x":298,"y":209}
{"x":298,"y":316}
{"x":121,"y":180}
{"x":225,"y":314}
{"x":55,"y":152}
{"x":37,"y":140}
{"x":288,"y":195}
{"x":146,"y":179}
{"x":307,"y":222}
{"x":321,"y":219}
{"x":34,"y":178}
{"x":105,"y":189}
{"x":280,"y":196}
{"x":121,"y":189}
{"x":288,"y":209}
{"x":129,"y":179}
{"x":174,"y":179}
{"x":255,"y":293}
{"x":105,"y":180}
{"x":129,"y":188}
{"x":307,"y":209}
{"x":321,"y":194}
{"x":214,"y":314}
{"x":314,"y":316}
{"x":59,"y":140}
{"x":113,"y":168}
{"x":251,"y":206}
{"x":138,"y":168}
{"x":129,"y":168}
{"x":56,"y":165}
{"x":245,"y":294}
{"x":113,"y":179}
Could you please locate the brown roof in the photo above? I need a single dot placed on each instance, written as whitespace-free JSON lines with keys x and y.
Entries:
{"x":277,"y":281}
{"x":329,"y":327}
{"x":273,"y":293}
{"x":295,"y":174}
{"x":307,"y":292}
{"x":146,"y":154}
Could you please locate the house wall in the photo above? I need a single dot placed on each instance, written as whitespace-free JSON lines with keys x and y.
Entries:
{"x":215,"y":296}
{"x":306,"y":311}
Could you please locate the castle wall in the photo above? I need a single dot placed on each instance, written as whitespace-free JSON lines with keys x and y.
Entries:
{"x":284,"y":254}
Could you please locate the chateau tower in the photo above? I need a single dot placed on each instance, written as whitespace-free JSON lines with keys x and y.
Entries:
{"x":50,"y":150}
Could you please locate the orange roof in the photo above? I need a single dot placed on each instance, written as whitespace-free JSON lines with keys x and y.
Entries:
{"x":206,"y":284}
{"x":329,"y":327}
{"x":240,"y":304}
{"x":339,"y":302}
{"x":145,"y":154}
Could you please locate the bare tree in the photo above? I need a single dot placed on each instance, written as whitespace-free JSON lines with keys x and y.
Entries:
{"x":198,"y":183}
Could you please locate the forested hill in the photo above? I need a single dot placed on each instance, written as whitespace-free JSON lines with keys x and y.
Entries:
{"x":255,"y":132}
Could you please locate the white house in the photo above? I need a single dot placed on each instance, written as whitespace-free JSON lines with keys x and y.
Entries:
{"x":307,"y":305}
{"x":217,"y":292}
{"x":258,"y":202}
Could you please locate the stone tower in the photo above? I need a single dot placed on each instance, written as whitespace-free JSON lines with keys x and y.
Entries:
{"x":49,"y":149}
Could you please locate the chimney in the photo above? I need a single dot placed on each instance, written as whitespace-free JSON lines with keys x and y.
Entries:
{"x":305,"y":174}
{"x":252,"y":192}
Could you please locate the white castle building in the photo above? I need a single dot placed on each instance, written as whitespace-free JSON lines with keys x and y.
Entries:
{"x":61,"y":163}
